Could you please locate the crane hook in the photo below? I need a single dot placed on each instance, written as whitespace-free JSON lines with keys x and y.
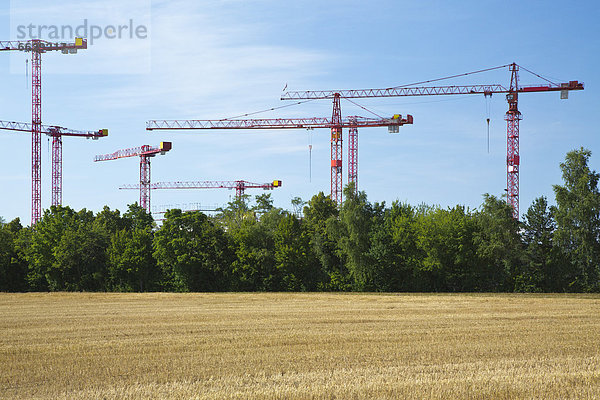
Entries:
{"x":488,"y":109}
{"x":488,"y":135}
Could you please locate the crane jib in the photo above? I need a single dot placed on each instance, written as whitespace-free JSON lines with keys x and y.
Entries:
{"x":426,"y":91}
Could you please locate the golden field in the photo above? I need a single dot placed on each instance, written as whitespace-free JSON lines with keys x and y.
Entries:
{"x":299,"y":346}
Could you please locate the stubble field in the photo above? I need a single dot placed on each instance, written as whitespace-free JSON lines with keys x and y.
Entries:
{"x":299,"y":346}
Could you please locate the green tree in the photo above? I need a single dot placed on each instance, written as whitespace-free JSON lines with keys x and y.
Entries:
{"x":192,"y":252}
{"x":67,"y":251}
{"x":446,"y":239}
{"x":543,"y":269}
{"x":321,"y":225}
{"x":383,"y":253}
{"x":44,"y":239}
{"x":233,"y":216}
{"x":498,"y":246}
{"x":254,"y":246}
{"x":131,"y":265}
{"x":80,"y":259}
{"x":111,"y":221}
{"x":578,"y":221}
{"x":13,"y":267}
{"x":297,"y":205}
{"x":137,"y":217}
{"x":264,"y":203}
{"x":296,"y":267}
{"x":394,"y":249}
{"x":354,"y":228}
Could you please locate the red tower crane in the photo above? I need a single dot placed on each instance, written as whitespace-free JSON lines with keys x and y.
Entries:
{"x":38,"y":47}
{"x":145,"y":152}
{"x":513,"y":115}
{"x":56,"y":132}
{"x":240,"y":186}
{"x":336,"y":123}
{"x":184,"y":207}
{"x":189,"y":207}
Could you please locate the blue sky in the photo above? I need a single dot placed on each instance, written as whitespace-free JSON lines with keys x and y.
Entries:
{"x":216,"y":59}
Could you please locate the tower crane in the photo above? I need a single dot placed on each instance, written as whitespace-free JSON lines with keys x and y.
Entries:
{"x":37,"y":47}
{"x":240,"y":186}
{"x":335,"y":124}
{"x":145,"y":152}
{"x":513,"y":115}
{"x":56,"y":132}
{"x":184,"y":207}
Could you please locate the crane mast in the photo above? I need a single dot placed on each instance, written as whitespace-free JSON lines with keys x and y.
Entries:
{"x":336,"y":152}
{"x":353,"y":153}
{"x":513,"y":160}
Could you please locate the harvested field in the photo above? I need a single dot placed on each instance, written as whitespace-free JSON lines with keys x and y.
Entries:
{"x":299,"y":346}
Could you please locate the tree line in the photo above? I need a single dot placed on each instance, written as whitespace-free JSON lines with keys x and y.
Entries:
{"x":360,"y":246}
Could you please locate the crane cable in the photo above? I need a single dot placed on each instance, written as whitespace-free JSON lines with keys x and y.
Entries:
{"x":364,"y":108}
{"x":488,"y":111}
{"x":267,"y":110}
{"x":538,"y":75}
{"x":450,"y":77}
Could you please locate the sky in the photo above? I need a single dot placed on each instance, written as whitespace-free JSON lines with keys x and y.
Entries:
{"x":219,"y":59}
